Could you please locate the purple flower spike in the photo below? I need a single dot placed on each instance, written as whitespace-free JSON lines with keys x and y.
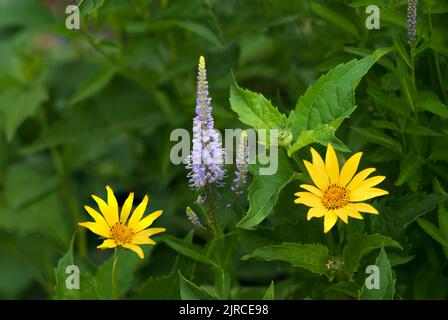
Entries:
{"x":242,"y":165}
{"x":412,"y":21}
{"x":206,"y":160}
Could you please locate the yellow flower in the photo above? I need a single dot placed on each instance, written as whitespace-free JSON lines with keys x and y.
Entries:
{"x":338,"y":194}
{"x":117,"y":229}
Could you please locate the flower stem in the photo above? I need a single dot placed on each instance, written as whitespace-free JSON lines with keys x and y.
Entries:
{"x":115,"y":295}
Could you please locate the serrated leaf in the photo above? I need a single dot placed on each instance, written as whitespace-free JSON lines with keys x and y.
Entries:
{"x":359,"y":245}
{"x":332,"y":97}
{"x":408,"y":168}
{"x":433,"y":231}
{"x":264,"y":191}
{"x":421,"y":131}
{"x":191,"y":291}
{"x":255,"y":110}
{"x":379,"y":137}
{"x":397,"y":214}
{"x":312,"y":257}
{"x":323,"y":134}
{"x":386,"y":288}
{"x":429,"y":101}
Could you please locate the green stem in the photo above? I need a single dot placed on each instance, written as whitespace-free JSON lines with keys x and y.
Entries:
{"x":330,"y":241}
{"x":115,"y":294}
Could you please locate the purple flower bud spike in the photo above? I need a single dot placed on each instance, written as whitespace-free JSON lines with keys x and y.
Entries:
{"x":412,"y":21}
{"x":206,"y":160}
{"x":242,"y":165}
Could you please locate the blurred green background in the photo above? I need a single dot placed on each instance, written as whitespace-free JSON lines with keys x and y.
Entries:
{"x":82,"y":109}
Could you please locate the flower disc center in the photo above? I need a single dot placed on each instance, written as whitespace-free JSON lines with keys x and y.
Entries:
{"x":121,"y":233}
{"x":335,"y":197}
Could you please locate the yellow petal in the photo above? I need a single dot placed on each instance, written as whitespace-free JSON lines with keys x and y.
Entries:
{"x":362,"y":207}
{"x":112,"y":203}
{"x":96,"y":216}
{"x":329,"y":220}
{"x":105,"y":210}
{"x":312,"y":189}
{"x":349,"y":169}
{"x":342,"y":214}
{"x":127,"y":207}
{"x":359,"y":177}
{"x":138,"y":213}
{"x":332,"y":165}
{"x":319,"y":165}
{"x":134,"y":248}
{"x":366,"y":194}
{"x":353,"y":213}
{"x":96,"y":228}
{"x":141,"y":239}
{"x":320,"y":179}
{"x":371,"y":182}
{"x":107,"y":244}
{"x":316,"y":212}
{"x":150,"y":232}
{"x":308,"y":199}
{"x":147,"y":221}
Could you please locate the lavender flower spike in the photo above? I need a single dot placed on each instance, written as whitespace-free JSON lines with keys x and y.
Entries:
{"x":206,"y":160}
{"x":412,"y":21}
{"x":242,"y":165}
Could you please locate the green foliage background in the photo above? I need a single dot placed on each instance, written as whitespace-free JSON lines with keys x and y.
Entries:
{"x":82,"y":109}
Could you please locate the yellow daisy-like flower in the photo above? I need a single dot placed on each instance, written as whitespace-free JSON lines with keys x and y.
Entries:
{"x":338,"y":193}
{"x":117,"y":229}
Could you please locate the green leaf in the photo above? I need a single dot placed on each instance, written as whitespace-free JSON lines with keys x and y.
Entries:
{"x":104,"y":117}
{"x":432,"y":230}
{"x":386,"y":289}
{"x":312,"y":257}
{"x":397,"y":214}
{"x":421,"y":131}
{"x":93,"y":84}
{"x":264,"y":191}
{"x":27,"y":182}
{"x":190,"y":291}
{"x":332,"y":97}
{"x":379,"y":137}
{"x":323,"y":134}
{"x":188,"y":249}
{"x":255,"y":110}
{"x":202,"y":31}
{"x":44,"y":217}
{"x":359,"y":245}
{"x":19,"y":104}
{"x":408,"y":168}
{"x":335,"y":18}
{"x":89,"y":6}
{"x":429,"y":101}
{"x":350,"y":289}
{"x":86,"y":289}
{"x":269,"y":294}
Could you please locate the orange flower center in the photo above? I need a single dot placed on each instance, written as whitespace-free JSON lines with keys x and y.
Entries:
{"x":121,"y":233}
{"x":335,"y":197}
